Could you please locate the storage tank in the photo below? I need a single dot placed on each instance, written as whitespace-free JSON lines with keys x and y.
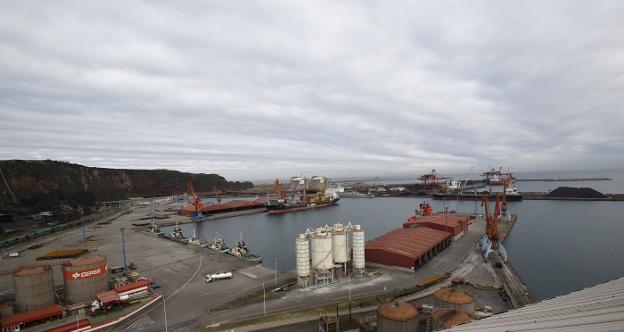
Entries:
{"x":397,"y":316}
{"x":445,"y":318}
{"x":34,"y":287}
{"x":358,"y":249}
{"x":302,"y":252}
{"x":322,"y":259}
{"x":298,"y":183}
{"x":84,"y":278}
{"x":451,"y":297}
{"x":340,"y":250}
{"x":317,"y":182}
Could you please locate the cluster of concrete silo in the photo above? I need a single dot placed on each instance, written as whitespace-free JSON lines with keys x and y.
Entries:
{"x":329,"y":253}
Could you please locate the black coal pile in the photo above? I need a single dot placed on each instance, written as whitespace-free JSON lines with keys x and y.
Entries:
{"x":570,"y":192}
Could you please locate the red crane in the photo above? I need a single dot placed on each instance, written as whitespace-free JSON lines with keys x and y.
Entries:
{"x":431,"y":181}
{"x":279,"y":190}
{"x":197,"y":203}
{"x":490,"y":240}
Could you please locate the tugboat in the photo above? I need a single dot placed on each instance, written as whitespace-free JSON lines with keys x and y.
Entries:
{"x":241,"y":251}
{"x":154,"y":229}
{"x":218,"y":244}
{"x":195,"y":241}
{"x":176,"y":234}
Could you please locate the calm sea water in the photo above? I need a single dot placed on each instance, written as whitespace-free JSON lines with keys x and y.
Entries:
{"x":556,"y":246}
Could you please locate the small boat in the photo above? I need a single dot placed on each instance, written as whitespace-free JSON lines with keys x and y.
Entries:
{"x":218,"y":244}
{"x":241,"y":251}
{"x":154,"y":229}
{"x":176,"y":235}
{"x":195,"y":241}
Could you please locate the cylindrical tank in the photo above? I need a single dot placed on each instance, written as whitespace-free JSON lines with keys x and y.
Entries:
{"x":397,"y":316}
{"x":450,"y":297}
{"x":339,"y":248}
{"x":445,"y":318}
{"x":34,"y":287}
{"x":84,"y":278}
{"x":302,"y":252}
{"x":322,"y":259}
{"x":303,"y":256}
{"x":298,"y":183}
{"x":317,"y":182}
{"x":358,"y":248}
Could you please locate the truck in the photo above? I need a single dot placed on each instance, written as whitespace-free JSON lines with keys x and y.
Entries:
{"x":218,"y":276}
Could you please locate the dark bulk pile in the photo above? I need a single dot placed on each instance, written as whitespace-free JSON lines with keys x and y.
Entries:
{"x":575,"y":193}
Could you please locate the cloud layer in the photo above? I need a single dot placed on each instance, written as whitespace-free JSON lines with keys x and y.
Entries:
{"x":262,"y":89}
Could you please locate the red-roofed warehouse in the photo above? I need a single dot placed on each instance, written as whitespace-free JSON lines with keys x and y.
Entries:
{"x":451,"y":222}
{"x":407,"y":247}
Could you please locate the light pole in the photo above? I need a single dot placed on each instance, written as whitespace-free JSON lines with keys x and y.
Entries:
{"x":264,"y":298}
{"x":123,"y":250}
{"x":165,"y":310}
{"x":275,"y":270}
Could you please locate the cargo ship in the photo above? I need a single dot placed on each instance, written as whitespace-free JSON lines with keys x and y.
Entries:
{"x":306,"y":201}
{"x":471,"y":197}
{"x":280,"y":206}
{"x":511,"y":194}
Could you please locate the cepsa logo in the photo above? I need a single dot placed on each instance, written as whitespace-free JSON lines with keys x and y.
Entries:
{"x":86,"y":274}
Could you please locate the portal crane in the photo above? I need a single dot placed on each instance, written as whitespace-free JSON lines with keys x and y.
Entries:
{"x":490,"y":240}
{"x":431,"y":181}
{"x":279,"y":190}
{"x":197,"y":203}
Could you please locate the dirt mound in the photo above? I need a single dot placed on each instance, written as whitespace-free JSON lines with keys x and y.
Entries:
{"x":575,"y":193}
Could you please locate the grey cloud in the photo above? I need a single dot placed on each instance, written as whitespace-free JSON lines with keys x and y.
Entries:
{"x":265,"y":89}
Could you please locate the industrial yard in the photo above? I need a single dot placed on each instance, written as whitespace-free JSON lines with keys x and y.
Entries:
{"x":176,"y":271}
{"x":438,"y":269}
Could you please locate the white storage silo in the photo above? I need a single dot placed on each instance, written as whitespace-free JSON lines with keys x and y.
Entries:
{"x":340,"y":248}
{"x":358,"y":249}
{"x":322,"y":258}
{"x":303,"y":260}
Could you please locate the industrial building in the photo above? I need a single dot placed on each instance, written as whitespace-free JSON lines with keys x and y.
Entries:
{"x":407,"y":247}
{"x":453,"y":223}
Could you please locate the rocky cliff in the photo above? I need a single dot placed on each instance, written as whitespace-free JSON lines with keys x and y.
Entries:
{"x":37,"y":182}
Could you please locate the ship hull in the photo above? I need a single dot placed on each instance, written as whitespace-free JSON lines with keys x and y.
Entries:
{"x":472,"y":197}
{"x":297,"y":208}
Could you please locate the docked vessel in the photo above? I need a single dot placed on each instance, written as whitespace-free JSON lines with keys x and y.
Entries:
{"x":304,"y":201}
{"x":218,"y":244}
{"x":357,"y":194}
{"x":153,"y":228}
{"x":176,"y":235}
{"x":241,"y":251}
{"x":195,"y":241}
{"x":473,"y":197}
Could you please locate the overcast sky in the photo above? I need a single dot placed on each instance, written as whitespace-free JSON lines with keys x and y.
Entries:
{"x":259,"y":89}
